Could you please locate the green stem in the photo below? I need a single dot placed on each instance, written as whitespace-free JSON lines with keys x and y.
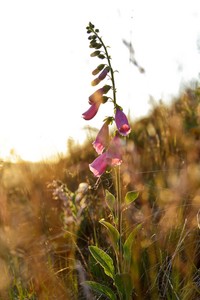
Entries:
{"x":109,"y":64}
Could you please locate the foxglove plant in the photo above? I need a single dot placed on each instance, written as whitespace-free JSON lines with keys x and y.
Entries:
{"x":110,"y":154}
{"x":106,"y":158}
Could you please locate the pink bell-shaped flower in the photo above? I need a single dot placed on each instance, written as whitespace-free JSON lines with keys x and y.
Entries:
{"x":122,"y":122}
{"x":99,"y":165}
{"x":114,"y":152}
{"x":92,"y":111}
{"x":111,"y":157}
{"x":102,"y":139}
{"x":95,"y":101}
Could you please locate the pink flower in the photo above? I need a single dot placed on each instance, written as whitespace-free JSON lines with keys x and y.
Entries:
{"x":92,"y":111}
{"x":122,"y":122}
{"x":99,"y":165}
{"x":97,"y":96}
{"x":111,"y":157}
{"x":102,"y":139}
{"x":95,"y":101}
{"x":114,"y":152}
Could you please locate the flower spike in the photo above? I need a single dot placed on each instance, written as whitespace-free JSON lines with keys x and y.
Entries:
{"x":109,"y":152}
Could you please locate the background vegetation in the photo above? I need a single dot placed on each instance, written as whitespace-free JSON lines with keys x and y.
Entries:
{"x":50,"y":213}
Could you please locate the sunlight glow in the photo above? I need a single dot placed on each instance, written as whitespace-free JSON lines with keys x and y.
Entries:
{"x":45,"y":67}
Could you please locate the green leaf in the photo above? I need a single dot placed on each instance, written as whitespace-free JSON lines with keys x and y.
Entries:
{"x":124,"y":285}
{"x":101,"y":289}
{"x":131,"y":196}
{"x":113,"y":233}
{"x":127,"y":247}
{"x":103,"y":259}
{"x":110,"y":199}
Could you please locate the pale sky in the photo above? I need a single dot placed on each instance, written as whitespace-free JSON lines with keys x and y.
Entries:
{"x":45,"y":65}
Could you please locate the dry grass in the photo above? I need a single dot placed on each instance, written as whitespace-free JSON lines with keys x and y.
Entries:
{"x":44,"y":242}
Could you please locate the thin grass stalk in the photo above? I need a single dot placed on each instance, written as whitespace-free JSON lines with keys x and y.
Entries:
{"x":119,"y":215}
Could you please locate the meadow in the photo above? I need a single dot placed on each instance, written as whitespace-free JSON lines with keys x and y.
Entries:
{"x":121,"y":223}
{"x":50,"y":214}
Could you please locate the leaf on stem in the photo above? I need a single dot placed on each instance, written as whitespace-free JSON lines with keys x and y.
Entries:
{"x":103,"y":259}
{"x":101,"y":289}
{"x":131,"y":196}
{"x":127,"y":247}
{"x":110,"y":200}
{"x":124,"y":285}
{"x":113,"y":233}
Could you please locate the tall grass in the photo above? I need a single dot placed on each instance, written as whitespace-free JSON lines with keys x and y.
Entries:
{"x":48,"y":220}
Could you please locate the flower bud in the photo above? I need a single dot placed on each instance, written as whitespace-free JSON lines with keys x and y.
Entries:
{"x":95,"y":81}
{"x":98,"y":46}
{"x":97,"y":95}
{"x":101,"y":56}
{"x":104,"y":99}
{"x":93,"y":44}
{"x":91,"y":25}
{"x":92,"y":37}
{"x":95,"y":53}
{"x":106,"y":88}
{"x":98,"y":69}
{"x":103,"y":74}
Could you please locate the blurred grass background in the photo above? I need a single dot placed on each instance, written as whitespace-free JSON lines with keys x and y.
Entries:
{"x":48,"y":219}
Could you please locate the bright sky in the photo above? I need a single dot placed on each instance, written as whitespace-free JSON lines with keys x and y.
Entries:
{"x":45,"y":64}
